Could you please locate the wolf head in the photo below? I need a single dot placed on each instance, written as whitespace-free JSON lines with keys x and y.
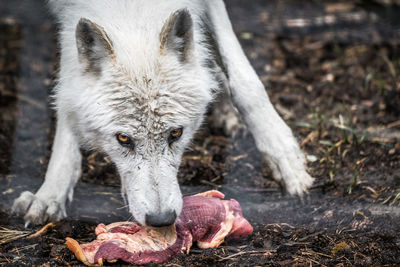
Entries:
{"x":141,"y":103}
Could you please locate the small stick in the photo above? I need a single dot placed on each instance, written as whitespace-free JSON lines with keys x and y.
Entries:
{"x":393,"y":124}
{"x":210,"y":183}
{"x":247,"y":252}
{"x":42,"y":230}
{"x":311,"y":235}
{"x":7,"y":259}
{"x":236,"y":158}
{"x":316,"y":253}
{"x":17,"y":252}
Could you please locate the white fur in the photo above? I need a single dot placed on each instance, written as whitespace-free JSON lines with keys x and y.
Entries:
{"x":272,"y":136}
{"x":145,"y":92}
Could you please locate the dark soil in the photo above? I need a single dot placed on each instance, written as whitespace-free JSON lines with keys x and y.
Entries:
{"x":332,"y":72}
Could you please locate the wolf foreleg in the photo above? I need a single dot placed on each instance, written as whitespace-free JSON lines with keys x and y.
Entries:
{"x":272,"y":136}
{"x":62,"y":174}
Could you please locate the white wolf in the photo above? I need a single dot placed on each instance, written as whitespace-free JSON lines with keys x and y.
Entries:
{"x":135,"y":80}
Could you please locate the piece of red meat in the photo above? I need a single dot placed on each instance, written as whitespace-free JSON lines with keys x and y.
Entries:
{"x":205,"y":218}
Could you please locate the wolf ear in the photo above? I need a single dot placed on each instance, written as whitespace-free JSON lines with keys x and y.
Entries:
{"x":93,"y":45}
{"x":177,"y":34}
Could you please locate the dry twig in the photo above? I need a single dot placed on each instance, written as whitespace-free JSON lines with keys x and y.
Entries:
{"x":42,"y":230}
{"x":265,"y":252}
{"x":8,"y":235}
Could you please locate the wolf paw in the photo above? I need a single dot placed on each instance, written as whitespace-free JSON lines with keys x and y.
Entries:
{"x":289,"y":170}
{"x":300,"y":184}
{"x":36,"y":210}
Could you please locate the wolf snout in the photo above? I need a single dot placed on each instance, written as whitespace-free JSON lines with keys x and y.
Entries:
{"x":160,"y":219}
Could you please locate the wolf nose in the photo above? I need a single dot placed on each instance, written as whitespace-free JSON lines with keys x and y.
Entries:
{"x":161,"y":219}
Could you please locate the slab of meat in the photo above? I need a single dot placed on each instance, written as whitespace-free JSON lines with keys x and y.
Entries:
{"x":205,"y":219}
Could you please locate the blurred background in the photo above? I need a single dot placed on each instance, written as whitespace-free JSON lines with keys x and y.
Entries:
{"x":331,"y":68}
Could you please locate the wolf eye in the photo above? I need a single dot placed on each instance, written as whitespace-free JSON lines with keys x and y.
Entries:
{"x":123,"y":139}
{"x":175,"y":135}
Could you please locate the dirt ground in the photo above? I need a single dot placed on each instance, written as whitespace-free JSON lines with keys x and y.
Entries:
{"x":332,"y":72}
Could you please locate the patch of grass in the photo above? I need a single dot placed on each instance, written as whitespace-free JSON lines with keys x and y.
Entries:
{"x":380,"y":83}
{"x":356,"y":174}
{"x":349,"y":133}
{"x":318,"y":119}
{"x":337,"y":138}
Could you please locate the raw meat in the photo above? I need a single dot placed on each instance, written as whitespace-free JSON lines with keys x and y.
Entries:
{"x":205,"y":219}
